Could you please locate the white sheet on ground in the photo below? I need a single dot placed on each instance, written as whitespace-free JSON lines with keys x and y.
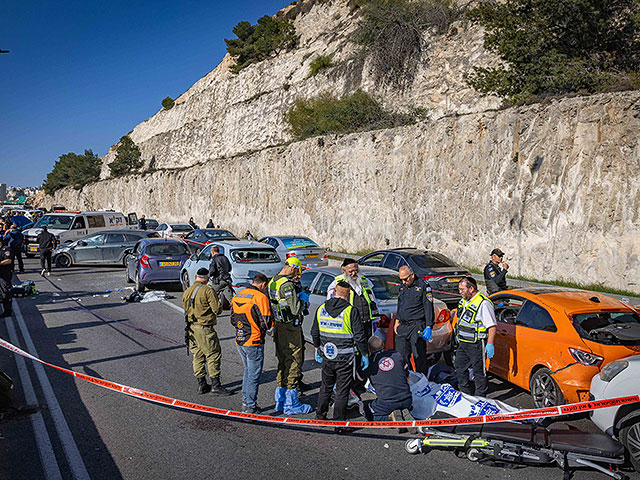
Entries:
{"x":153,"y":296}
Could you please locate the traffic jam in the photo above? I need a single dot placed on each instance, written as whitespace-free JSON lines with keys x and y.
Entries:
{"x":562,"y":346}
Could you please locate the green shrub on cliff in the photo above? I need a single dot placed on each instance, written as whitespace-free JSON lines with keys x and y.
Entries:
{"x":127,"y":158}
{"x":392,"y":34}
{"x":168,"y":103}
{"x":328,"y":114}
{"x":256,"y":43}
{"x":557,"y":47}
{"x":321,"y":62}
{"x":73,"y":170}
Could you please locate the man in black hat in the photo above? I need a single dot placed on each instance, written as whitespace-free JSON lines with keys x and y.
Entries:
{"x":494,"y":276}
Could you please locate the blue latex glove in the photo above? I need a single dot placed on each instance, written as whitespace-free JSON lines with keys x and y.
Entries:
{"x":364,"y":363}
{"x":304,"y":296}
{"x":426,"y":334}
{"x":318,"y":357}
{"x":490,"y":350}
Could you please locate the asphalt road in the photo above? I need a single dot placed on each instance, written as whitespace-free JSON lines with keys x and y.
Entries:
{"x":80,"y":430}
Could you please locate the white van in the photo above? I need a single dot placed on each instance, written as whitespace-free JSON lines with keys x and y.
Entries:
{"x":70,"y":226}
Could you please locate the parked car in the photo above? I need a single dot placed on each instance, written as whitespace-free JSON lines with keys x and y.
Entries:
{"x":201,"y":237}
{"x":552,"y":341}
{"x":108,"y":247}
{"x":620,"y":378}
{"x":71,"y":226}
{"x":303,"y":248}
{"x":442,"y":273}
{"x":246,"y":257}
{"x":386,"y":285}
{"x":156,"y":260}
{"x":152,"y":224}
{"x":168,"y":230}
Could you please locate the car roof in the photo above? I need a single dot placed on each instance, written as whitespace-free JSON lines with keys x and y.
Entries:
{"x":568,"y":299}
{"x":181,"y":224}
{"x":161,"y":240}
{"x":231,"y":243}
{"x":404,"y":251}
{"x":365,"y":270}
{"x":280,"y":237}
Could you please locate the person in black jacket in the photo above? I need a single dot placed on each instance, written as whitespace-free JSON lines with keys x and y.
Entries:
{"x":414,"y":318}
{"x":220,"y":273}
{"x":389,"y":376}
{"x":16,"y":240}
{"x":6,"y":273}
{"x":494,"y":276}
{"x":46,"y":244}
{"x":337,"y":332}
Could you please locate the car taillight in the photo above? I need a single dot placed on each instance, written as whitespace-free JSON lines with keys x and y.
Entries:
{"x":435,"y":278}
{"x":291,"y":254}
{"x":443,"y":316}
{"x":144,"y":261}
{"x":326,"y":255}
{"x":587,"y":359}
{"x":384,"y":321}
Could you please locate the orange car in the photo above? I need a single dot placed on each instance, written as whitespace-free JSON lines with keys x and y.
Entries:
{"x":552,"y":341}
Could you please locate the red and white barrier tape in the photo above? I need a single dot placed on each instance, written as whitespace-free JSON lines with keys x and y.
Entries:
{"x":195,"y":407}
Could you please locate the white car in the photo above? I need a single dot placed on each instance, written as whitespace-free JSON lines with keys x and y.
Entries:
{"x":171,"y":230}
{"x":386,"y":285}
{"x":620,"y":378}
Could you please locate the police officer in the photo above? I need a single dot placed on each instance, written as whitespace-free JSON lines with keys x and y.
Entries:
{"x":389,"y":376}
{"x":494,"y":276}
{"x":362,"y":296}
{"x":6,"y":273}
{"x":220,"y":273}
{"x":201,"y":308}
{"x":16,"y":240}
{"x":287,"y":309}
{"x":337,"y":332}
{"x":475,"y":333}
{"x":414,"y":318}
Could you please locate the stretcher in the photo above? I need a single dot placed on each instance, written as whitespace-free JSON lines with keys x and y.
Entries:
{"x":526,"y":444}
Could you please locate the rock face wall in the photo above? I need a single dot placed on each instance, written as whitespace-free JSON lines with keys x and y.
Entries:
{"x":223,"y":115}
{"x":555,"y":186}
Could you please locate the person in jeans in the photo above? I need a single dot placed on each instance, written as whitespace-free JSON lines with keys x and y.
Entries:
{"x":220,"y":273}
{"x":251,"y":317}
{"x":16,"y":240}
{"x":46,"y":244}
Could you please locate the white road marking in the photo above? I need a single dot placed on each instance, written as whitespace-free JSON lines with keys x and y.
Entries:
{"x":76,"y":464}
{"x":47,"y":456}
{"x":175,"y":307}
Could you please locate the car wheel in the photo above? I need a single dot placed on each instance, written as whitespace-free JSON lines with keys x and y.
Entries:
{"x":544,"y":389}
{"x":63,"y":260}
{"x":630,"y":437}
{"x":185,"y":280}
{"x":412,"y":446}
{"x":126,"y":275}
{"x":139,"y":285}
{"x":124,"y":260}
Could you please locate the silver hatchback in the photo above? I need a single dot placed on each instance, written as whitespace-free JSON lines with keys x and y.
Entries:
{"x":304,"y":249}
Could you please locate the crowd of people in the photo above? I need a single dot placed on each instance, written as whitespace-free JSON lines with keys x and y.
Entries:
{"x":342,"y":332}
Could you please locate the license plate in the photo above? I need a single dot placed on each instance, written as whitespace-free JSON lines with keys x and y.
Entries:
{"x":314,"y":255}
{"x":169,"y":264}
{"x":454,"y":279}
{"x":33,"y":248}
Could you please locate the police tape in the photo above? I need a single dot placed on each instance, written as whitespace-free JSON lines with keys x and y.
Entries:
{"x":195,"y":407}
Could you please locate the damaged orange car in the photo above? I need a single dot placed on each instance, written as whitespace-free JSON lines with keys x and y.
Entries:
{"x":552,"y":341}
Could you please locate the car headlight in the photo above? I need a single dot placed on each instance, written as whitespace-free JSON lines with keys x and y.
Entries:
{"x":610,"y":370}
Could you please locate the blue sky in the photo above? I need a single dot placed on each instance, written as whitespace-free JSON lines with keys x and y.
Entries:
{"x":83,"y":73}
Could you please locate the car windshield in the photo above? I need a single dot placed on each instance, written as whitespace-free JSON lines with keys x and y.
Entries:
{"x":385,"y":287}
{"x":59,"y":222}
{"x":433,"y":260}
{"x":162,"y":249}
{"x":181,"y":227}
{"x":298,"y":242}
{"x":610,"y":328}
{"x":152,"y":223}
{"x":255,"y":255}
{"x":218,"y":234}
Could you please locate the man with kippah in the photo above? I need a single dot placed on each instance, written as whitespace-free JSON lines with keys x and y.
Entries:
{"x":337,"y":333}
{"x":201,"y":308}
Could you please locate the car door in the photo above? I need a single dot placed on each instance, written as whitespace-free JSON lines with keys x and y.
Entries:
{"x":536,"y":341}
{"x":132,"y":260}
{"x":89,"y":249}
{"x":307,"y":279}
{"x":505,"y":361}
{"x":114,"y":245}
{"x":393,"y":261}
{"x":78,"y":228}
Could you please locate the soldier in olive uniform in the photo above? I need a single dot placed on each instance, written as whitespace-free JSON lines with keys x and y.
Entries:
{"x":201,"y":306}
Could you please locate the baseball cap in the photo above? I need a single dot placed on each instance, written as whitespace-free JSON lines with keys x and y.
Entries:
{"x":294,"y":262}
{"x":202,"y":272}
{"x":497,"y":251}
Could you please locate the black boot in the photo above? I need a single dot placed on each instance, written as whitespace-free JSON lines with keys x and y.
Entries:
{"x":6,"y":308}
{"x":203,"y":386}
{"x":216,"y":387}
